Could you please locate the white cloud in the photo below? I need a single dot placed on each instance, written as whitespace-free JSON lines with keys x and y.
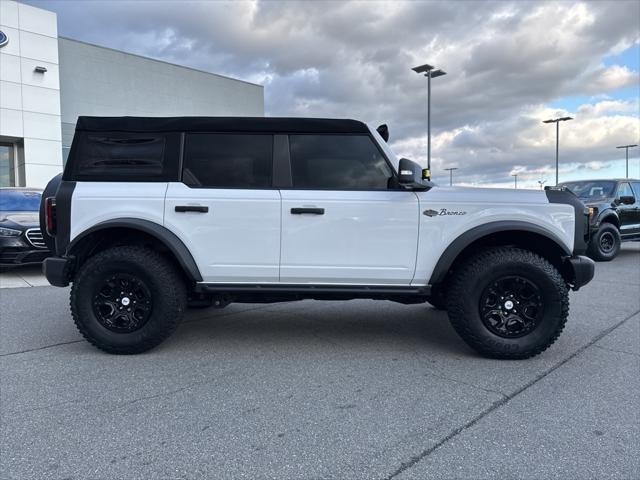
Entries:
{"x":504,"y":63}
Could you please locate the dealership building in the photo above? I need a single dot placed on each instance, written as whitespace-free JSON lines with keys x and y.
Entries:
{"x":47,"y":81}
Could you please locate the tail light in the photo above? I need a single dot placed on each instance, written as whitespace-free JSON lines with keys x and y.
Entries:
{"x":50,"y":215}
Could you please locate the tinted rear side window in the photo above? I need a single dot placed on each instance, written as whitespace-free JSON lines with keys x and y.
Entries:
{"x":218,"y":160}
{"x":338,"y":162}
{"x":128,"y":156}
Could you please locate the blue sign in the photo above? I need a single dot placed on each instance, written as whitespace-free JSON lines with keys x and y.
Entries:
{"x":3,"y":39}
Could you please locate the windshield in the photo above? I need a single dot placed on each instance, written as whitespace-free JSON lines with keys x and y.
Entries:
{"x":385,"y":147}
{"x":591,"y":190}
{"x":19,"y":201}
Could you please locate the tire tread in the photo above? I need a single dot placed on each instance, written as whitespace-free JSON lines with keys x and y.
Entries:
{"x":478,"y":265}
{"x":174,"y":290}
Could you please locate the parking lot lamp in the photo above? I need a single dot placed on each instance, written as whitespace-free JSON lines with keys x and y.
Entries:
{"x":627,"y":147}
{"x":430,"y":73}
{"x":515,"y":179}
{"x":557,"y":122}
{"x":451,"y":174}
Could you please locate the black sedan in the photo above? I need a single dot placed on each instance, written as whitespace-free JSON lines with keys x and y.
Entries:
{"x":21,"y":240}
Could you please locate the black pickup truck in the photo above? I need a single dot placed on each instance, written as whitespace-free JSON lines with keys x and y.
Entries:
{"x":614,"y":212}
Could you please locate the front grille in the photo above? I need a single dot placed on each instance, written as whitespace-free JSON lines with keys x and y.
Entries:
{"x":34,"y":235}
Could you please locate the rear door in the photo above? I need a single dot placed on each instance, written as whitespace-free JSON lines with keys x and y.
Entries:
{"x":626,"y":213}
{"x":225,"y":209}
{"x":635,"y":186}
{"x":344,"y":222}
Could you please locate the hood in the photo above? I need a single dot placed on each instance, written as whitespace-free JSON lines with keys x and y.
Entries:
{"x":598,"y":202}
{"x":24,"y":219}
{"x":484,"y":195}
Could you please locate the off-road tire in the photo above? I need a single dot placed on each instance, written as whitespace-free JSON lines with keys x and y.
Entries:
{"x":168,"y":298}
{"x":601,"y":250}
{"x":481,"y":271}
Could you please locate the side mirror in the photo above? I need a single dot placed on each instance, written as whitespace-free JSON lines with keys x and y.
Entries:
{"x":627,"y":199}
{"x":383,"y":130}
{"x":410,"y":175}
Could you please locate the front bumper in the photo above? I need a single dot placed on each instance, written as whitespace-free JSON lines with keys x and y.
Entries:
{"x":16,"y":251}
{"x":57,"y":270}
{"x":580,"y":270}
{"x":13,"y":257}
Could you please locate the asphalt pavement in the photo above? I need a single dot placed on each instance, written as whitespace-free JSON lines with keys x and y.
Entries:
{"x":342,"y":390}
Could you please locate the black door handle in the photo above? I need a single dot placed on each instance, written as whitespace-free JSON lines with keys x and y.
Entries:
{"x":313,"y":211}
{"x":192,"y":208}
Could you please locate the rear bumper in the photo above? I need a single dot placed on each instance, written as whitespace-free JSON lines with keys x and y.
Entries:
{"x":57,"y":269}
{"x":580,"y":269}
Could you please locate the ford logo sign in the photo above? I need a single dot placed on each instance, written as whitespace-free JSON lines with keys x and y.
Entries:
{"x":3,"y":39}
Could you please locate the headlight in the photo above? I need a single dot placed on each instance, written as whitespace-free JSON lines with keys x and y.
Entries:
{"x":9,"y":232}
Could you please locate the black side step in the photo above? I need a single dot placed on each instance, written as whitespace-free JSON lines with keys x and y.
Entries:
{"x":315,"y":291}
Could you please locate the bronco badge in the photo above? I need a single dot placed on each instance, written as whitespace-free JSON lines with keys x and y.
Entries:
{"x":443,"y":211}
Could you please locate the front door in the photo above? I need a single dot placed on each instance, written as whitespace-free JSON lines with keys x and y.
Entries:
{"x":225,"y":210}
{"x":343,"y":222}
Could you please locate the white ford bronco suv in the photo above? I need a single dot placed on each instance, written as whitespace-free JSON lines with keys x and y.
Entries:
{"x":152,"y":215}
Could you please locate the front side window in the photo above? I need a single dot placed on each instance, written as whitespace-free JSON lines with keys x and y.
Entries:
{"x":218,"y":160}
{"x":624,"y":190}
{"x":338,"y":162}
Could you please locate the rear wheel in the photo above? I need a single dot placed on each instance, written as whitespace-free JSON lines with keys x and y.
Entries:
{"x":508,"y":303}
{"x":127,"y":299}
{"x":605,"y":243}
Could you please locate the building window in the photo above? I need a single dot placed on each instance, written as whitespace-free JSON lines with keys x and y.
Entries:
{"x":7,"y":165}
{"x":217,"y":160}
{"x":337,"y":162}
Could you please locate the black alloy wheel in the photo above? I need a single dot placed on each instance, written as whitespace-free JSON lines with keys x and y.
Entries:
{"x":511,"y":307}
{"x":122,"y":303}
{"x":607,"y":242}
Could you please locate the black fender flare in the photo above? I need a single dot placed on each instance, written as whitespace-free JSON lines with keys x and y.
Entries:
{"x":605,"y":216}
{"x":162,"y":234}
{"x":467,"y":238}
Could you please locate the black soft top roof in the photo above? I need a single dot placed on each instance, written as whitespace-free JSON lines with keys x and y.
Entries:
{"x":220,"y":124}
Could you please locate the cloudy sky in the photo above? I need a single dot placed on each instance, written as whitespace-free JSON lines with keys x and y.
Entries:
{"x":509,"y":66}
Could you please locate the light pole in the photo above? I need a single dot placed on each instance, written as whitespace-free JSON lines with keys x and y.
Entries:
{"x":557,"y":122}
{"x":451,"y":174}
{"x":430,"y":73}
{"x":515,"y":179}
{"x":541,"y":183}
{"x":627,"y":147}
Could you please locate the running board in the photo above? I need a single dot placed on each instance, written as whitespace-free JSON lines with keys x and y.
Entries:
{"x":360,"y":291}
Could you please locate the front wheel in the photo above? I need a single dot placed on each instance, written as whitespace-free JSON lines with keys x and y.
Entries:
{"x":127,"y":299}
{"x":508,"y":303}
{"x":605,"y":243}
